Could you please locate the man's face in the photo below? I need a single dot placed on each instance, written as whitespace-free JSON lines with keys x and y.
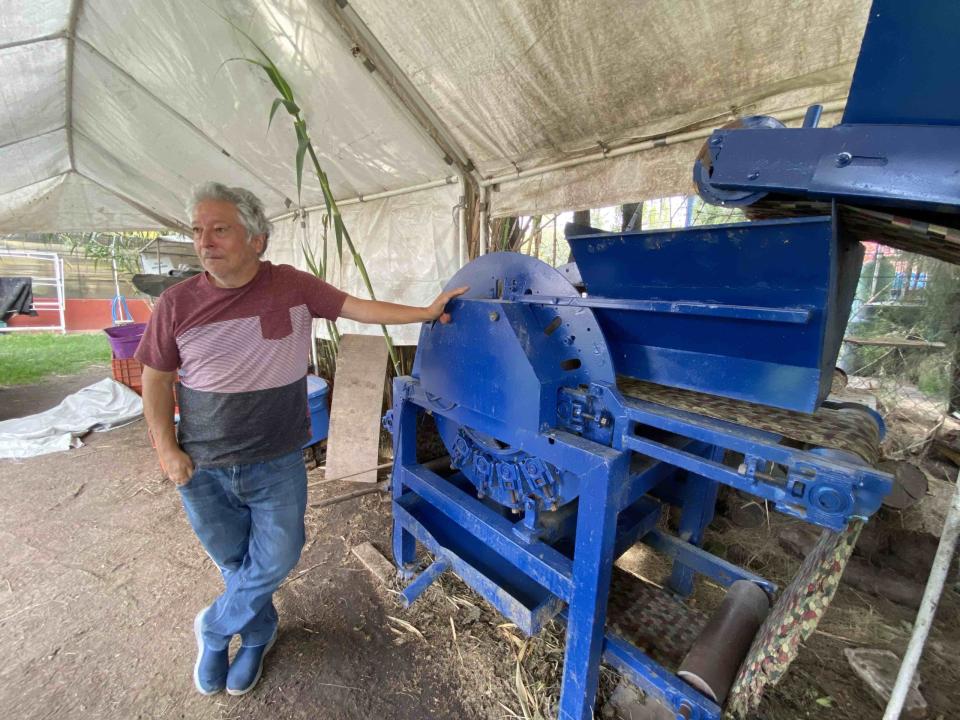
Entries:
{"x":220,"y":240}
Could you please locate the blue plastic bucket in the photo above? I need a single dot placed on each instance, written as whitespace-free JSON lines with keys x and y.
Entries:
{"x":317,"y":392}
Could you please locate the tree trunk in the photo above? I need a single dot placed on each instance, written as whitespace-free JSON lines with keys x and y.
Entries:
{"x":631,"y":216}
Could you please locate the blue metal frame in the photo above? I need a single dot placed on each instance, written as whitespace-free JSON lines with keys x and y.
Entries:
{"x":898,"y":145}
{"x":555,"y":473}
{"x":878,"y":164}
{"x":530,"y":579}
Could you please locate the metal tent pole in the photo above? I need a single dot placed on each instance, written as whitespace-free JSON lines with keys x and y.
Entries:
{"x":928,"y":607}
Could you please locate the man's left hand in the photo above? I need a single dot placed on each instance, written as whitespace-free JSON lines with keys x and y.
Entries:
{"x":436,"y":310}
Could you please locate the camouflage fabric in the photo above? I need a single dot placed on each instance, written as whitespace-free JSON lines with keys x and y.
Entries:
{"x":793,"y":619}
{"x":652,"y":619}
{"x":845,"y":429}
{"x":871,"y":225}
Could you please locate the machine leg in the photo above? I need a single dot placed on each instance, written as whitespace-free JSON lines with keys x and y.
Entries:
{"x":592,"y":569}
{"x":404,"y":549}
{"x":404,"y":454}
{"x":699,"y":503}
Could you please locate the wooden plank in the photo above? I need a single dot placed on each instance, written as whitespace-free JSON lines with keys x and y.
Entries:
{"x":353,"y":444}
{"x":878,"y":670}
{"x":376,"y":563}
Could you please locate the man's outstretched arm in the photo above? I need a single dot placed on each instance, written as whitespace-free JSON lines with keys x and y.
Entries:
{"x":384,"y":313}
{"x":158,"y":409}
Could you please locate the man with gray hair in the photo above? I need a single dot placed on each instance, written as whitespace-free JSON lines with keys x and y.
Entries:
{"x":236,"y":340}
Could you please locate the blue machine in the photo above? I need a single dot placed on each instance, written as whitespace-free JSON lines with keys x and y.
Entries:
{"x":556,"y":471}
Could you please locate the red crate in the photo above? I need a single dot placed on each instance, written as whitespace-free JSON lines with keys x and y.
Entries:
{"x":129,"y":372}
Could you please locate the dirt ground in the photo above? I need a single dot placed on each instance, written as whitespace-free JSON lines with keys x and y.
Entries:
{"x":100,"y":578}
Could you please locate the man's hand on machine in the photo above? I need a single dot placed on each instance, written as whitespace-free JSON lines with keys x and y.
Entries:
{"x":376,"y":311}
{"x":436,"y":309}
{"x":176,"y":465}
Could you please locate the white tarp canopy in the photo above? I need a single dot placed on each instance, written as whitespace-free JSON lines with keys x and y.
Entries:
{"x":110,"y":110}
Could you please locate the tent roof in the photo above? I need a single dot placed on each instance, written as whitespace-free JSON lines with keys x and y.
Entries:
{"x":110,"y":111}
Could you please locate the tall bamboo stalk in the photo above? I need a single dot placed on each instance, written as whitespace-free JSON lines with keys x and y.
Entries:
{"x":304,"y":146}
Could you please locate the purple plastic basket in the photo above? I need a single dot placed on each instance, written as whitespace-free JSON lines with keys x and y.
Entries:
{"x":124,"y":339}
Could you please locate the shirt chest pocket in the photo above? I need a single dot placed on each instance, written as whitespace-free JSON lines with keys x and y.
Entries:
{"x":276,"y":324}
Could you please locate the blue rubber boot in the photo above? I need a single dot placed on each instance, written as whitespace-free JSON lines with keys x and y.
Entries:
{"x":210,"y":670}
{"x":247,"y":666}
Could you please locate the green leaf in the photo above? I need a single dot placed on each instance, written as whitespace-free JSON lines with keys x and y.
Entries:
{"x":304,"y":141}
{"x":825,"y":701}
{"x":303,"y":145}
{"x":241,"y":59}
{"x":291,"y":107}
{"x":273,"y":110}
{"x":278,"y":81}
{"x":326,"y":228}
{"x":338,"y":231}
{"x":311,"y":260}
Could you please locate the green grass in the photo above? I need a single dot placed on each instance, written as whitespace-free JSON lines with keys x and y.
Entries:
{"x":28,"y":357}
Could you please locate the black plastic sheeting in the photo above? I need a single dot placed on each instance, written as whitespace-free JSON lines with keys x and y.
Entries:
{"x":16,"y":297}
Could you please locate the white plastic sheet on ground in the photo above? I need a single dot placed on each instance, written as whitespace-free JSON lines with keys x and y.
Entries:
{"x":101,"y":406}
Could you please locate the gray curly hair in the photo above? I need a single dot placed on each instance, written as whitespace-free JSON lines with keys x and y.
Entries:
{"x":249,"y":207}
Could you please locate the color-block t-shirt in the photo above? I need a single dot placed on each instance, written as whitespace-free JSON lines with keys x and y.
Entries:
{"x":242,"y":359}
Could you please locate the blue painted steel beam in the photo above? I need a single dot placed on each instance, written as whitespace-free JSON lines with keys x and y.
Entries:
{"x":403,"y":425}
{"x":592,"y":569}
{"x":539,"y":561}
{"x":656,"y":682}
{"x":634,"y":523}
{"x":793,"y":315}
{"x":862,"y":487}
{"x":723,"y":572}
{"x":562,"y":523}
{"x":415,"y":589}
{"x":785,"y":501}
{"x":525,"y":603}
{"x":879,"y":164}
{"x":655,"y":474}
{"x":697,"y":507}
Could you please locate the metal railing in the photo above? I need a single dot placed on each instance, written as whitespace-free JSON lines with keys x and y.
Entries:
{"x":43,"y":303}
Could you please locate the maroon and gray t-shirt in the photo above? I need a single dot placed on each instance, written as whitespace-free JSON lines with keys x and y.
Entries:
{"x":242,"y":356}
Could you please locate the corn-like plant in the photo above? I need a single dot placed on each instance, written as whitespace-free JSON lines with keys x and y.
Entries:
{"x":328,"y":350}
{"x":305,"y":148}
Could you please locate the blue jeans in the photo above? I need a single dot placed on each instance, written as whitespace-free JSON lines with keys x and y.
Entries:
{"x":249,"y":519}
